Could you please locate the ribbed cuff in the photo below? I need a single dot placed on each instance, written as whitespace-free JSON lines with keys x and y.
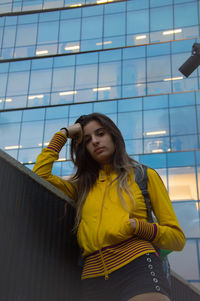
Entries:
{"x":146,"y":230}
{"x":57,"y":142}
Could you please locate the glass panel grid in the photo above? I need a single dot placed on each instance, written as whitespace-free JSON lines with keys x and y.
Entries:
{"x":92,"y":28}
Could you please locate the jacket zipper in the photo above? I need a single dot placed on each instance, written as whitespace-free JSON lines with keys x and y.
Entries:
{"x":98,"y":243}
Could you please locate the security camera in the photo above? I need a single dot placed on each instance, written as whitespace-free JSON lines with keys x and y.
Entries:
{"x":193,"y":62}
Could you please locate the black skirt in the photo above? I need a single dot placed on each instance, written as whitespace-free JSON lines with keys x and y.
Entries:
{"x":143,"y":275}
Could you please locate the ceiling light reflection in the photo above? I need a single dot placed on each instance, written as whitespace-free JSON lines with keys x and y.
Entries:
{"x":75,"y":47}
{"x":67,"y":93}
{"x":167,"y":32}
{"x":35,"y":96}
{"x":159,"y":150}
{"x":41,"y":52}
{"x":140,"y":37}
{"x":104,"y":43}
{"x":172,"y":78}
{"x":13,"y":147}
{"x":156,"y":133}
{"x":101,"y":89}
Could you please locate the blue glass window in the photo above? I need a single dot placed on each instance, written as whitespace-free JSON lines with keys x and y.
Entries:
{"x":133,"y":52}
{"x":9,"y":117}
{"x":182,"y":183}
{"x":23,"y":34}
{"x":105,"y":107}
{"x":1,"y":35}
{"x":63,"y":79}
{"x":156,"y":145}
{"x":133,"y":129}
{"x":137,"y":4}
{"x":185,"y":14}
{"x":134,"y":146}
{"x":158,"y":68}
{"x":154,"y":3}
{"x":33,"y":115}
{"x":28,"y":155}
{"x":20,"y":66}
{"x":156,"y":123}
{"x":70,"y":13}
{"x":109,"y":56}
{"x":52,"y":126}
{"x":110,"y":74}
{"x":134,"y":71}
{"x":11,"y":20}
{"x":177,"y":100}
{"x":86,"y":76}
{"x":155,"y":102}
{"x":134,"y":24}
{"x":18,"y":83}
{"x":3,"y":81}
{"x":69,"y":30}
{"x":36,"y":130}
{"x":178,"y":118}
{"x":161,"y":18}
{"x":114,"y":25}
{"x":16,"y":102}
{"x":126,"y":105}
{"x":9,"y":136}
{"x":188,"y":217}
{"x":181,"y":159}
{"x":177,"y":259}
{"x":26,"y":19}
{"x":116,"y":8}
{"x":40,"y":81}
{"x":78,"y":110}
{"x":51,"y":16}
{"x":92,"y":27}
{"x":9,"y":36}
{"x":158,"y":49}
{"x":181,"y":143}
{"x":48,"y":32}
{"x":57,"y":112}
{"x":154,"y":161}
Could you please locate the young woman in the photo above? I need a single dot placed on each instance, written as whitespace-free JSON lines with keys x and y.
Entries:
{"x":118,"y":244}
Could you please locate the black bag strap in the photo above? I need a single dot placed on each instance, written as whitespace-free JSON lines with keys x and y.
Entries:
{"x":141,"y":180}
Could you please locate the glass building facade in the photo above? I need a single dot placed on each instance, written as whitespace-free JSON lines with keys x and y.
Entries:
{"x":61,"y":59}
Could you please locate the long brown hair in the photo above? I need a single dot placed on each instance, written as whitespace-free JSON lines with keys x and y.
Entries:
{"x":88,"y":169}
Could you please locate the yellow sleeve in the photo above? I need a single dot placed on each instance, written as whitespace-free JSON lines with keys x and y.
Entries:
{"x":44,"y":164}
{"x":169,"y":234}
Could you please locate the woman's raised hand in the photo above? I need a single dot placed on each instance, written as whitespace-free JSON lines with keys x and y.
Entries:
{"x":74,"y":132}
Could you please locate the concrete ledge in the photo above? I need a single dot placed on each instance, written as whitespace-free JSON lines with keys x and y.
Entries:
{"x":11,"y":161}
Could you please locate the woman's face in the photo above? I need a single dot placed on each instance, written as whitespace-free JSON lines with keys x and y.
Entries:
{"x":98,"y":142}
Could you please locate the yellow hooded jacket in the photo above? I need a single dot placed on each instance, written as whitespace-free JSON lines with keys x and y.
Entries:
{"x":105,"y":233}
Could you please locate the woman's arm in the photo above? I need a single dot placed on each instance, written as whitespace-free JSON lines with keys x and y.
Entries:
{"x":167,"y":233}
{"x":45,"y":160}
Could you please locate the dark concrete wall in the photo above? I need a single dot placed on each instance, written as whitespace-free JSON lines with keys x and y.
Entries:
{"x":38,"y":252}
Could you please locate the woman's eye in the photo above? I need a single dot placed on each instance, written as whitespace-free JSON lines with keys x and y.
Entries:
{"x":100,"y":133}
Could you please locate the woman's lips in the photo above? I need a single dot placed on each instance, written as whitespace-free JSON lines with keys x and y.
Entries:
{"x":98,"y":150}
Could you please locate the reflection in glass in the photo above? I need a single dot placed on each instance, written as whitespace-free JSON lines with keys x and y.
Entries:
{"x":188,"y":270}
{"x":40,"y":81}
{"x":156,"y":123}
{"x":156,"y":145}
{"x":178,"y":117}
{"x":9,"y":134}
{"x":188,"y":217}
{"x":18,"y":83}
{"x":182,"y":184}
{"x":36,"y":130}
{"x":86,"y":76}
{"x":133,"y":130}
